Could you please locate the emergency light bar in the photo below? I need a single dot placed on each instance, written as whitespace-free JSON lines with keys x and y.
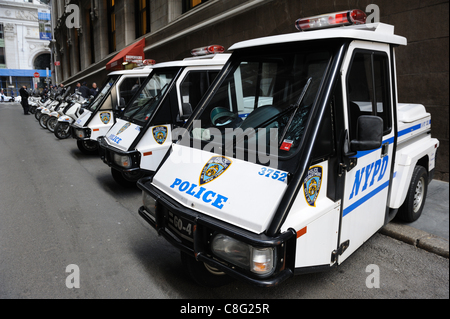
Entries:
{"x":329,"y":20}
{"x":149,"y":62}
{"x":211,"y":49}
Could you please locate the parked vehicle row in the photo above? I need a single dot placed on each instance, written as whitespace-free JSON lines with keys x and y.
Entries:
{"x":282,"y":158}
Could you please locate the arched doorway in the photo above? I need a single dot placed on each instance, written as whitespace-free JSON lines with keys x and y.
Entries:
{"x":42,"y":62}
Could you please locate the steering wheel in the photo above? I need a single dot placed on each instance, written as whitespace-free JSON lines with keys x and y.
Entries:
{"x":221,"y":116}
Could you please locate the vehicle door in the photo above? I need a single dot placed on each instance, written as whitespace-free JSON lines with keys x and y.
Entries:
{"x":366,"y":80}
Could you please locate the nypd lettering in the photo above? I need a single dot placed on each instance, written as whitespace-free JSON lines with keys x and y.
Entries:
{"x":207,"y":196}
{"x":215,"y":167}
{"x":312,"y":184}
{"x":371,"y":175}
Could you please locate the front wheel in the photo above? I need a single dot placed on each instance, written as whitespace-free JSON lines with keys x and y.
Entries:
{"x":412,"y":208}
{"x":88,"y":147}
{"x":51,"y":123}
{"x":128,"y":179}
{"x":43,"y":120}
{"x":38,"y":114}
{"x":62,"y":130}
{"x":204,"y":274}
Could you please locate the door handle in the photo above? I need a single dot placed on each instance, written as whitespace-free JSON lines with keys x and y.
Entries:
{"x":384,"y":149}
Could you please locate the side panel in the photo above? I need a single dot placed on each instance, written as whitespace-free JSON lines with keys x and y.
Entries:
{"x":315,"y":218}
{"x":154,"y":145}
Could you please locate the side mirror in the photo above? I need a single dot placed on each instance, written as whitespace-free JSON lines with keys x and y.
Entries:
{"x":369,"y":133}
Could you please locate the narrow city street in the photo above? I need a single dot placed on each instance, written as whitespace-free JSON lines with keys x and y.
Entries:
{"x":59,"y":207}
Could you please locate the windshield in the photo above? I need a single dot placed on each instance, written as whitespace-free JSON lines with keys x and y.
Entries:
{"x":101,"y":94}
{"x":142,"y":107}
{"x":263,"y":104}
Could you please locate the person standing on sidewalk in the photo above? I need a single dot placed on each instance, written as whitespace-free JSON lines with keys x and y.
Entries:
{"x":24,"y":95}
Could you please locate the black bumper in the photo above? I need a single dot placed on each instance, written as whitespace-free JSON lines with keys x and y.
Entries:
{"x":107,"y":155}
{"x":204,"y":229}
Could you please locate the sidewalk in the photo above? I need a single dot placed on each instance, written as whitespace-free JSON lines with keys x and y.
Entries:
{"x":431,"y":231}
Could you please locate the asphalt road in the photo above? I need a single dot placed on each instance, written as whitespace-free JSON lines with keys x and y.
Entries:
{"x":59,"y":207}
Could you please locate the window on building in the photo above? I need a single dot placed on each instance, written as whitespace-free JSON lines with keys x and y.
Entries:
{"x":1,"y":30}
{"x":191,"y":4}
{"x":142,"y":17}
{"x":2,"y":56}
{"x":112,"y":26}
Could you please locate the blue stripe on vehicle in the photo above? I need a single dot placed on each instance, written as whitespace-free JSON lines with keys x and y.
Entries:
{"x":358,"y":203}
{"x":390,"y":140}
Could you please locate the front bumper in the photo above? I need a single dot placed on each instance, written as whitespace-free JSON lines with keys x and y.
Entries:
{"x":205,"y":227}
{"x":107,"y":153}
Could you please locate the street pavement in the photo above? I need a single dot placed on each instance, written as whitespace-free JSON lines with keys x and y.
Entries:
{"x":431,"y":230}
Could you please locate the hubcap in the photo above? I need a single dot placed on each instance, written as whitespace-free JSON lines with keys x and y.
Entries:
{"x":418,"y":195}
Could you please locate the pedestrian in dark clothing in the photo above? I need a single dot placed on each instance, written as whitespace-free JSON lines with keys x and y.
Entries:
{"x":24,"y":95}
{"x":85,"y":92}
{"x":94,"y":89}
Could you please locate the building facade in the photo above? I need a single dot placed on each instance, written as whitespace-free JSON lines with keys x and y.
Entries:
{"x":23,"y":52}
{"x":171,"y":28}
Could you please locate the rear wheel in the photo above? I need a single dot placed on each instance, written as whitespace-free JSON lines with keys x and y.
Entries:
{"x":204,"y":274}
{"x":412,"y":208}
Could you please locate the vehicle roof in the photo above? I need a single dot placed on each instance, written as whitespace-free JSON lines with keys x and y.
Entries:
{"x":213,"y":59}
{"x":140,"y":70}
{"x":377,"y":32}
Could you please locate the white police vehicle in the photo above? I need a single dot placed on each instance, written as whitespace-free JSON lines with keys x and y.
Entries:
{"x":140,"y":138}
{"x":101,"y":114}
{"x":298,"y":155}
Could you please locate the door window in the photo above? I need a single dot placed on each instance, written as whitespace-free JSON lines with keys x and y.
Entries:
{"x":368,"y":89}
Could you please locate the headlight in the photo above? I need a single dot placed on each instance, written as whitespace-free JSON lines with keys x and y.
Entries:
{"x":122,"y":160}
{"x":258,"y":260}
{"x":149,"y":203}
{"x":80,"y":133}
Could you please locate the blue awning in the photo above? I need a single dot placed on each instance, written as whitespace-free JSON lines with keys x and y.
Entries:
{"x":24,"y":73}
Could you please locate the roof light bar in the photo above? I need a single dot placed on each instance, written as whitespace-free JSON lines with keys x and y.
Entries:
{"x":211,"y":49}
{"x":149,"y":62}
{"x":329,"y":20}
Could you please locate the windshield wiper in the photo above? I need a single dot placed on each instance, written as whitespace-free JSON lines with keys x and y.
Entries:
{"x":295,"y":107}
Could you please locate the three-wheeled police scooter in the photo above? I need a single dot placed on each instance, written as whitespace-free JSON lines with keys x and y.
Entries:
{"x":101,"y":114}
{"x":299,"y":153}
{"x":138,"y":141}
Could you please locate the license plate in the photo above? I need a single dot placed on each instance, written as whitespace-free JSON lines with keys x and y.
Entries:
{"x":181,"y":226}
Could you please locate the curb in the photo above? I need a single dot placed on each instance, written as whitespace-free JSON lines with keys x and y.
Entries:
{"x":417,"y":238}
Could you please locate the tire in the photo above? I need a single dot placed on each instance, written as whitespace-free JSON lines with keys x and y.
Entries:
{"x":203,"y":274}
{"x":38,"y":114}
{"x":51,"y":123}
{"x":43,"y":120}
{"x":88,"y":147}
{"x":412,"y":208}
{"x":126,"y":179}
{"x":62,"y":130}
